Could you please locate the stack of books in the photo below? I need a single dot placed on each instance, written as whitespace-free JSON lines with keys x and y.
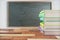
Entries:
{"x":51,"y":22}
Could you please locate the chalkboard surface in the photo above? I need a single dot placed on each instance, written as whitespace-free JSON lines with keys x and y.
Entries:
{"x":26,"y":13}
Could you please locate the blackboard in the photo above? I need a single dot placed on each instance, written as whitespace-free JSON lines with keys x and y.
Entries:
{"x":26,"y":13}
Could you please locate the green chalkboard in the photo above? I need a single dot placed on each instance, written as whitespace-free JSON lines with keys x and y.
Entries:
{"x":26,"y":13}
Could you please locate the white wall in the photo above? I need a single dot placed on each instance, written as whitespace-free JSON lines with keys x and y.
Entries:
{"x":55,"y":4}
{"x":3,"y":14}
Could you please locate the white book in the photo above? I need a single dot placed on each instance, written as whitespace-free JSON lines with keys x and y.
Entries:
{"x":52,"y":19}
{"x":52,"y":33}
{"x":52,"y":13}
{"x":45,"y":26}
{"x":52,"y":29}
{"x":52,"y":23}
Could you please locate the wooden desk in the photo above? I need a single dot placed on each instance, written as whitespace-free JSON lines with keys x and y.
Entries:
{"x":36,"y":34}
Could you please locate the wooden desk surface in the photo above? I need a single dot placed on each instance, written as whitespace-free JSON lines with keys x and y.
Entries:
{"x":36,"y":34}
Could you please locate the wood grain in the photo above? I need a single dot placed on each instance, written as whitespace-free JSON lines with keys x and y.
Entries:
{"x":38,"y":35}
